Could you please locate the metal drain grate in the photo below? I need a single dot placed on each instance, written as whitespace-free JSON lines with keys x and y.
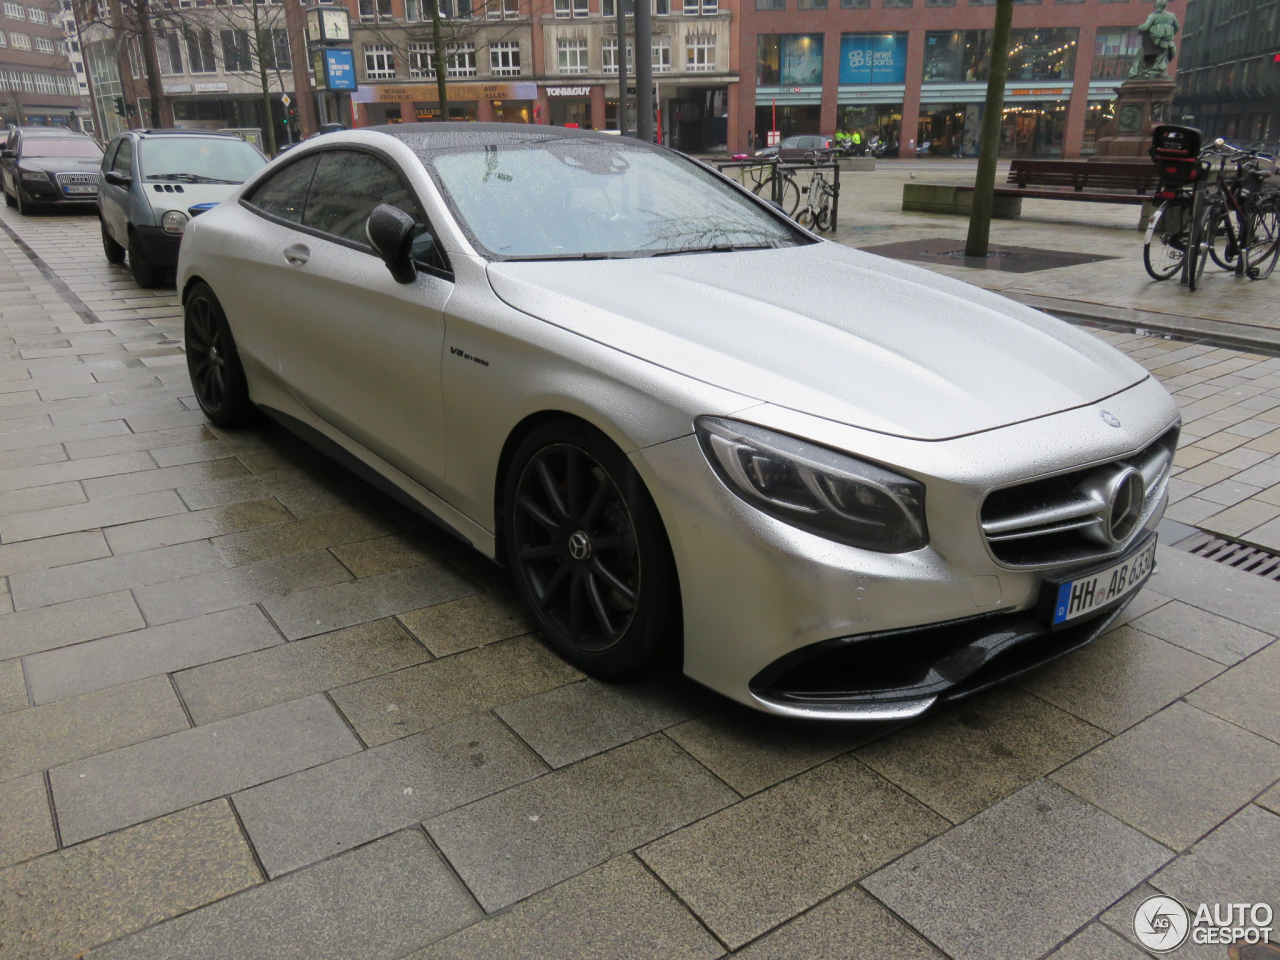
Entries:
{"x":1242,"y":556}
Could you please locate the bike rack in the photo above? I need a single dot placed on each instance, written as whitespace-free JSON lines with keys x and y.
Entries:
{"x":788,"y":167}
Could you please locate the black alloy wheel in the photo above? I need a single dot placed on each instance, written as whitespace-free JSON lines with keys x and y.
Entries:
{"x":212,"y":360}
{"x":590,"y":554}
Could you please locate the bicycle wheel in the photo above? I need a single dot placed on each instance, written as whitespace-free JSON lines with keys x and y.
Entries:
{"x":1263,"y":239}
{"x":1222,"y":241}
{"x":806,"y":218}
{"x":822,"y":220}
{"x":1166,"y":241}
{"x":789,"y":195}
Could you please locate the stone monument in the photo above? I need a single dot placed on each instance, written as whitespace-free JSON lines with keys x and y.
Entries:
{"x":1145,"y":99}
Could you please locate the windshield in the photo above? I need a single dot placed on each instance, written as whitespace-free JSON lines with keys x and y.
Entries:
{"x":580,"y":198}
{"x":59,"y":147}
{"x":199,"y":160}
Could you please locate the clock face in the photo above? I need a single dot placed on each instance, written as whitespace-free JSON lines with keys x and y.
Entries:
{"x":336,"y":26}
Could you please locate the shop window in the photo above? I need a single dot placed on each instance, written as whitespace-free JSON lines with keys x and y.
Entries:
{"x":235,"y":51}
{"x":379,"y":61}
{"x":700,"y":53}
{"x":964,"y":55}
{"x":571,"y":55}
{"x":609,"y":56}
{"x":1113,"y":52}
{"x":873,"y":58}
{"x":789,"y":59}
{"x":200,"y":52}
{"x":504,"y":58}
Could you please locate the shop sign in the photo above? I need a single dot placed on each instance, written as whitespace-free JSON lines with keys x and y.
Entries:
{"x":873,"y":58}
{"x":177,"y":88}
{"x":568,"y":91}
{"x":1040,"y":92}
{"x":211,"y":88}
{"x":427,"y":92}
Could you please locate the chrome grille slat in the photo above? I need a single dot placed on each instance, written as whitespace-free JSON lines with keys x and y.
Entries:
{"x":1044,"y":522}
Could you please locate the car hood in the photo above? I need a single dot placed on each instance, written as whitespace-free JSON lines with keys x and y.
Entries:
{"x":830,"y":331}
{"x":62,"y":164}
{"x":163,"y":201}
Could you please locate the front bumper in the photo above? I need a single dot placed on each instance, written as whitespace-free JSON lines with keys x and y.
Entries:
{"x":760,"y":597}
{"x":159,"y":246}
{"x":46,"y":191}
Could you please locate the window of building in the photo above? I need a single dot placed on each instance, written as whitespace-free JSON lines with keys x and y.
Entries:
{"x":421,"y":66}
{"x":275,"y":52}
{"x":19,"y":41}
{"x":379,"y":61}
{"x":1034,"y":54}
{"x":1113,"y":51}
{"x":571,"y":55}
{"x":691,"y":7}
{"x":15,"y":11}
{"x":44,"y":45}
{"x":461,"y":60}
{"x":607,"y":9}
{"x":661,"y":54}
{"x":200,"y":52}
{"x":700,"y":52}
{"x":873,"y":58}
{"x":504,"y":58}
{"x":855,"y":4}
{"x":609,"y":56}
{"x":581,"y":8}
{"x":897,"y":3}
{"x":564,"y":9}
{"x":789,"y":59}
{"x":236,"y":57}
{"x":370,"y":9}
{"x":662,"y":8}
{"x":37,"y":15}
{"x":4,"y":40}
{"x":939,"y":3}
{"x":710,"y":7}
{"x":771,"y":4}
{"x":811,"y":4}
{"x":169,"y":52}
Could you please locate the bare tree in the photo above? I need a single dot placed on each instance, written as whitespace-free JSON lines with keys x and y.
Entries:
{"x":132,"y":23}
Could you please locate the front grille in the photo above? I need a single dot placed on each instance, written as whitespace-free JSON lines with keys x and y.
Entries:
{"x":1064,"y":519}
{"x":66,"y":180}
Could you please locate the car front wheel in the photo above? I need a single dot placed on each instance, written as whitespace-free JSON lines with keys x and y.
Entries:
{"x":145,"y":273}
{"x":589,"y":553}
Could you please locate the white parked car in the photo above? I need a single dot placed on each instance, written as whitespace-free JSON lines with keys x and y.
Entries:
{"x":821,"y":482}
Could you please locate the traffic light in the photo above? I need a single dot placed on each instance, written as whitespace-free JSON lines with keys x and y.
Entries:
{"x":119,"y":105}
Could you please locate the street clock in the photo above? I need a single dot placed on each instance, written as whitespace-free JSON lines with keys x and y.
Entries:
{"x":328,"y":25}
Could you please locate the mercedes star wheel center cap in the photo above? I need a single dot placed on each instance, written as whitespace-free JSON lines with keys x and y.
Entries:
{"x":579,"y":545}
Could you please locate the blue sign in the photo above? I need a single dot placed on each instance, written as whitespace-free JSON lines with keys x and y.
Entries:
{"x":873,"y":58}
{"x":339,"y":69}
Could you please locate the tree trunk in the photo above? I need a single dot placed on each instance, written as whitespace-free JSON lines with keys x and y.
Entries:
{"x":979,"y":240}
{"x":441,"y":60}
{"x":155,"y":86}
{"x":260,"y":44}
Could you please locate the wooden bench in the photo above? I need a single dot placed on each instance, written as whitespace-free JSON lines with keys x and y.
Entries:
{"x":1093,"y":181}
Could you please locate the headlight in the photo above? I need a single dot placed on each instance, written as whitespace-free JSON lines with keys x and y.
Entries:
{"x":35,"y":175}
{"x":824,"y":492}
{"x":175,"y":221}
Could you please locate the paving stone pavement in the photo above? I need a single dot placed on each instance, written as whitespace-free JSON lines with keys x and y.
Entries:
{"x":251,"y":708}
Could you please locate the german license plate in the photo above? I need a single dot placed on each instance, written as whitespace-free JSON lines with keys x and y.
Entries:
{"x":81,"y":188}
{"x":1084,"y":595}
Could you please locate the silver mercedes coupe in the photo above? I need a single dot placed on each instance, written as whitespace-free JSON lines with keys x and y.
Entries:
{"x":823,"y":483}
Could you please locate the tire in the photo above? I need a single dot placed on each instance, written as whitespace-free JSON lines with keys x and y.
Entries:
{"x":217,"y":376}
{"x":823,"y":219}
{"x":589,"y":553}
{"x":1166,"y":243}
{"x":145,"y":273}
{"x":1222,"y":246}
{"x":25,"y":206}
{"x":1198,"y":249}
{"x":806,"y":219}
{"x":1264,"y":239}
{"x":114,"y":251}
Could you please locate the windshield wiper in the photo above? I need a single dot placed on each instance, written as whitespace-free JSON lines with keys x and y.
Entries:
{"x":716,"y":248}
{"x":573,"y":256}
{"x":188,"y":178}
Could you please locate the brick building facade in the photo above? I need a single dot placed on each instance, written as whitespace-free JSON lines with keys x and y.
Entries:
{"x":37,"y":85}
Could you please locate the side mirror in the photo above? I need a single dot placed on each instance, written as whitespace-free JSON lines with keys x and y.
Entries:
{"x":6,"y":153}
{"x":390,"y":233}
{"x":116,"y":179}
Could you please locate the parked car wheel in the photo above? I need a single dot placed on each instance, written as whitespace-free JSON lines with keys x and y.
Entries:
{"x":25,"y":206}
{"x":589,"y":552}
{"x":146,"y":273}
{"x":114,"y":251}
{"x":8,"y":200}
{"x":213,"y":361}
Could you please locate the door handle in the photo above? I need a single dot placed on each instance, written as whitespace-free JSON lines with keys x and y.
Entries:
{"x":297,"y":255}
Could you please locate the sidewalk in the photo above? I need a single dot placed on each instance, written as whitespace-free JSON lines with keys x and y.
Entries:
{"x":250,"y":708}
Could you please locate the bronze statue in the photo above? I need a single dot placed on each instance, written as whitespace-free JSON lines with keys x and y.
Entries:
{"x":1152,"y":61}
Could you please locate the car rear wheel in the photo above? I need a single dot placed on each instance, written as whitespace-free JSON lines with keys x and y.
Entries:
{"x":145,"y":273}
{"x":589,"y":553}
{"x":217,"y":375}
{"x":114,"y":251}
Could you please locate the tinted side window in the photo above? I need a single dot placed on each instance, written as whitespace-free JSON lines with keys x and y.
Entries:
{"x":108,"y":156}
{"x":123,"y":163}
{"x":346,"y":188}
{"x":285,"y":194}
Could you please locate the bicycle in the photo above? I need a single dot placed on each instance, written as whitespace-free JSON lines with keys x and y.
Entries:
{"x":816,"y":214}
{"x":761,"y":180}
{"x":1176,"y":239}
{"x":1243,"y":214}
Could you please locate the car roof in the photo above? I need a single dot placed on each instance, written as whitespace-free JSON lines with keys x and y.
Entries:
{"x":147,"y":132}
{"x":51,"y":132}
{"x":443,"y":136}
